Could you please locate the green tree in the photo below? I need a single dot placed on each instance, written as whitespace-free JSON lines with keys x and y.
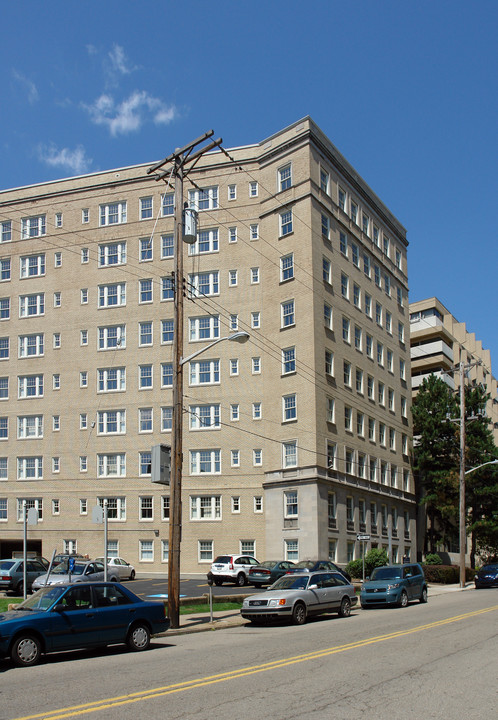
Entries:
{"x":435,"y":459}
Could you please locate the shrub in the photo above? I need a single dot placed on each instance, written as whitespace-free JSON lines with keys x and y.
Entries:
{"x":374,"y":558}
{"x":433,"y":559}
{"x":446,"y":574}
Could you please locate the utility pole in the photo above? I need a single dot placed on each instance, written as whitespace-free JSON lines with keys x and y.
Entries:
{"x":179,"y":159}
{"x":462,"y":524}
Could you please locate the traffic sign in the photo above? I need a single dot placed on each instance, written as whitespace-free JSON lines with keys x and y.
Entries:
{"x":363,"y":537}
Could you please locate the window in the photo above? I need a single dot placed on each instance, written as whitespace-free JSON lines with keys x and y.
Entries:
{"x":205,"y":551}
{"x":111,"y":422}
{"x":327,"y":316}
{"x":403,"y":406}
{"x":207,"y":242}
{"x":378,"y":313}
{"x":56,"y":381}
{"x":204,"y":372}
{"x":206,"y":327}
{"x":204,"y":417}
{"x":145,"y":208}
{"x":389,"y":322}
{"x":288,"y":360}
{"x":145,"y":333}
{"x":368,"y":305}
{"x":85,"y":215}
{"x":324,"y":181}
{"x":204,"y":284}
{"x":166,"y":419}
{"x":111,"y":465}
{"x":232,"y":235}
{"x":287,"y":313}
{"x":357,"y":337}
{"x":205,"y":507}
{"x":331,"y":455}
{"x":167,"y":288}
{"x":356,"y":296}
{"x":347,"y":373}
{"x":232,"y":278}
{"x":113,"y":213}
{"x":165,"y":507}
{"x":3,"y":468}
{"x":387,"y":284}
{"x":330,"y":410}
{"x":377,"y":275}
{"x":145,"y":253}
{"x":146,"y":550}
{"x":390,"y":360}
{"x":399,"y":293}
{"x":380,"y":353}
{"x":256,"y":411}
{"x":31,"y":305}
{"x":254,"y":231}
{"x":256,"y":365}
{"x":289,"y":407}
{"x":83,"y":379}
{"x":233,"y":322}
{"x":253,"y":189}
{"x":371,"y":429}
{"x":112,"y":337}
{"x":31,"y":345}
{"x":145,"y":377}
{"x":346,"y":330}
{"x":167,"y":246}
{"x":30,"y":386}
{"x":325,"y":227}
{"x":287,"y":267}
{"x":111,"y":379}
{"x":343,"y":244}
{"x":4,"y":269}
{"x":234,"y":412}
{"x":145,"y":291}
{"x":348,"y":418}
{"x":354,"y":212}
{"x":355,"y":255}
{"x":235,"y":458}
{"x":56,"y":341}
{"x":380,"y":392}
{"x":112,"y":295}
{"x":392,"y":439}
{"x":235,"y":504}
{"x":205,"y":199}
{"x":329,"y":363}
{"x":32,"y":265}
{"x":342,"y":199}
{"x":36,"y":503}
{"x":359,"y":381}
{"x":285,"y":177}
{"x":205,"y":461}
{"x":146,"y":508}
{"x":370,"y":387}
{"x":33,"y":227}
{"x":369,"y":346}
{"x":366,"y":265}
{"x":56,"y":423}
{"x":83,"y":421}
{"x":255,"y":320}
{"x":56,"y":464}
{"x":4,"y":348}
{"x":4,"y":388}
{"x":167,"y":331}
{"x":30,"y":468}
{"x":344,"y":286}
{"x":326,"y":271}
{"x":57,"y":299}
{"x":382,"y":434}
{"x":168,"y":204}
{"x":3,"y":507}
{"x":385,"y":245}
{"x":112,"y":254}
{"x":84,"y":296}
{"x":232,"y":192}
{"x":360,"y":424}
{"x":373,"y":471}
{"x":285,"y":223}
{"x":365,"y":223}
{"x":289,"y":454}
{"x":401,"y":332}
{"x":258,"y":504}
{"x":116,"y":507}
{"x":257,"y":457}
{"x":291,"y":550}
{"x":4,"y":428}
{"x":6,"y":231}
{"x":290,"y":504}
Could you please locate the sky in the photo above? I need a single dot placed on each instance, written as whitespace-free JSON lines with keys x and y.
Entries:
{"x":407,"y":91}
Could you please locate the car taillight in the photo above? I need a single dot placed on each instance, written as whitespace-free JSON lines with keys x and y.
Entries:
{"x":230,"y":567}
{"x":4,"y":577}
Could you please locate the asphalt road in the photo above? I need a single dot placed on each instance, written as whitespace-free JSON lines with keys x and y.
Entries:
{"x":426,"y":661}
{"x":151,"y":586}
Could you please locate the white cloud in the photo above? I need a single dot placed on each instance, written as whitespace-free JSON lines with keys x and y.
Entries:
{"x":118,"y":60}
{"x":28,"y":85}
{"x":74,"y":160}
{"x":129,"y":115}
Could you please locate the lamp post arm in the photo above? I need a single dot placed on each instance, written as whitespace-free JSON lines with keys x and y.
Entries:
{"x":490,"y":462}
{"x":240,"y":336}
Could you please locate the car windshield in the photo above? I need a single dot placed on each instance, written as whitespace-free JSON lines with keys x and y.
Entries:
{"x":290,"y":582}
{"x":63,"y":569}
{"x":7,"y":564}
{"x":223,"y":559}
{"x":268,"y":563}
{"x":386,"y":573}
{"x":489,"y":568}
{"x":42,"y":599}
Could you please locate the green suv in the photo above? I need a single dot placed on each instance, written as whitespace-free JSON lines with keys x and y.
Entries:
{"x":394,"y":585}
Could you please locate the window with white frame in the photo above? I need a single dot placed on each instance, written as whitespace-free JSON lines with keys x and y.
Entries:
{"x":234,"y":366}
{"x":165,"y":507}
{"x":112,"y":337}
{"x":56,"y":341}
{"x":233,"y":322}
{"x":146,"y":550}
{"x":85,"y":255}
{"x":355,"y":255}
{"x":111,"y":379}
{"x":330,"y":411}
{"x":234,"y":412}
{"x":232,"y":192}
{"x":112,"y":254}
{"x":329,"y":362}
{"x":257,"y":412}
{"x":207,"y":242}
{"x":358,"y":337}
{"x":58,"y":259}
{"x":232,"y":278}
{"x":232,"y":234}
{"x":327,"y":316}
{"x":83,"y":378}
{"x":206,"y":327}
{"x":35,"y":503}
{"x":368,"y":305}
{"x":346,"y":366}
{"x":5,"y":266}
{"x":324,"y":181}
{"x":57,"y":299}
{"x":371,"y":429}
{"x":254,"y":231}
{"x":325,"y":226}
{"x":4,"y":348}
{"x":287,"y":314}
{"x":290,"y":504}
{"x":168,"y":204}
{"x":205,"y":462}
{"x":235,"y":458}
{"x":146,"y":508}
{"x":56,"y":464}
{"x":29,"y":426}
{"x":116,"y":507}
{"x":144,"y":463}
{"x":331,"y":455}
{"x":4,"y":308}
{"x":204,"y":417}
{"x":32,"y":265}
{"x":112,"y":213}
{"x":204,"y":284}
{"x":56,"y":423}
{"x":167,"y":246}
{"x":359,"y":381}
{"x":111,"y":422}
{"x":30,"y":468}
{"x":83,"y":421}
{"x":253,"y":188}
{"x":203,"y":199}
{"x":285,"y":223}
{"x":166,"y":419}
{"x":83,"y":506}
{"x":258,"y":504}
{"x":167,"y":331}
{"x":354,"y":212}
{"x":145,"y":250}
{"x":288,"y":360}
{"x":30,"y":386}
{"x":111,"y":465}
{"x":145,"y":291}
{"x":326,"y":271}
{"x":35,"y":226}
{"x":205,"y":507}
{"x":145,"y":333}
{"x":256,"y":319}
{"x":5,"y":231}
{"x":31,"y":345}
{"x":256,"y":365}
{"x":291,"y":550}
{"x":287,"y":267}
{"x":289,"y":453}
{"x":145,"y":377}
{"x":3,"y":509}
{"x":356,"y":296}
{"x":112,"y":295}
{"x":348,"y":418}
{"x":146,"y":208}
{"x":31,"y":305}
{"x":235,"y":502}
{"x":205,"y":551}
{"x":285,"y":177}
{"x":204,"y":372}
{"x":289,"y":407}
{"x":257,"y":457}
{"x":360,"y":424}
{"x":4,"y":388}
{"x":344,"y":286}
{"x":369,"y":346}
{"x":341,"y":196}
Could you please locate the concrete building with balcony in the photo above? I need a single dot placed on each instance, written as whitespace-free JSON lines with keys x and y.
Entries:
{"x":293,"y":442}
{"x":439,"y":342}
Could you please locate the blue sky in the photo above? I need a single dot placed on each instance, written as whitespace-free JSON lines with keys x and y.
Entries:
{"x":407,"y":91}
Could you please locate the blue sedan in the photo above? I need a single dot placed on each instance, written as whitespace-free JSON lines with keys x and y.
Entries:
{"x":68,"y":617}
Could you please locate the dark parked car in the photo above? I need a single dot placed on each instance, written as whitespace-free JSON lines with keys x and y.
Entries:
{"x":394,"y":585}
{"x":315,"y":565}
{"x":12,"y":574}
{"x":267,"y":572}
{"x":64,"y":557}
{"x":487,"y":576}
{"x":297,"y":595}
{"x":67,"y":617}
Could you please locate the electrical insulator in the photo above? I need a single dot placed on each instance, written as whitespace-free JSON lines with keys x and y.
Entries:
{"x":189,"y":226}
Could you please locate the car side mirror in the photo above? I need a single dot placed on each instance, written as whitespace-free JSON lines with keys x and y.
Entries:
{"x":312,"y":587}
{"x":59,"y":608}
{"x":367,"y":578}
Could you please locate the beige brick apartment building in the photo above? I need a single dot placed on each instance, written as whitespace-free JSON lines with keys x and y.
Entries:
{"x":293,"y":442}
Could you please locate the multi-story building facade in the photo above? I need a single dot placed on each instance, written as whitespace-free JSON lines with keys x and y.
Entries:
{"x":439,"y":343}
{"x":293,"y":442}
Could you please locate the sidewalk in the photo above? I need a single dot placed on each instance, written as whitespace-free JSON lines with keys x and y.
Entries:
{"x":201,"y":622}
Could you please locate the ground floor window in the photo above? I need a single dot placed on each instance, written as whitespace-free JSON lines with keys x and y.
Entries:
{"x":292,"y":550}
{"x":206,"y":551}
{"x":248,"y":547}
{"x":164,"y":550}
{"x":332,"y":550}
{"x":146,"y":550}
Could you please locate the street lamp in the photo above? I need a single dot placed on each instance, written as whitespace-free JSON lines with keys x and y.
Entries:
{"x":175,"y":535}
{"x":490,"y":462}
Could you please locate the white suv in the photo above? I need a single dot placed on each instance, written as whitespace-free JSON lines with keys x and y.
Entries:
{"x":231,"y":568}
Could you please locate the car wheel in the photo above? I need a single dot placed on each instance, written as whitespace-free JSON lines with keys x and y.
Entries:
{"x":345,"y":609}
{"x":132,"y":575}
{"x":25,"y":651}
{"x":363,"y":606}
{"x":113,"y":578}
{"x":258,"y":586}
{"x":423,"y":595}
{"x":299,"y":614}
{"x":138,"y":637}
{"x":403,"y":600}
{"x":241,"y":580}
{"x":218,"y":582}
{"x":20,"y":588}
